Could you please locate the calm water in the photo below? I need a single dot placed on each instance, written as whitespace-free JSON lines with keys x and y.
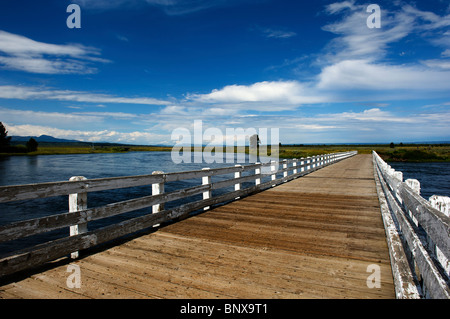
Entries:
{"x":434,"y":179}
{"x":50,"y":168}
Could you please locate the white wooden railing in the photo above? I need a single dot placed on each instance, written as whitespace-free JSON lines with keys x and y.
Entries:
{"x":79,"y":215}
{"x":418,"y":234}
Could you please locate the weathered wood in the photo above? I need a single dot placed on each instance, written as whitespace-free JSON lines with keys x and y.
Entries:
{"x":45,"y":224}
{"x":282,"y":243}
{"x":77,"y":202}
{"x":80,"y":215}
{"x":435,"y":223}
{"x":51,"y":189}
{"x":405,"y":282}
{"x":441,"y":203}
{"x":402,"y":200}
{"x":43,"y":190}
{"x":42,"y":253}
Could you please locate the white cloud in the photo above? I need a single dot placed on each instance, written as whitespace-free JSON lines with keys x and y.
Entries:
{"x":315,"y":127}
{"x":280,"y":95}
{"x":352,"y":64}
{"x":370,"y":115}
{"x":36,"y":93}
{"x":363,"y":75}
{"x":21,"y":53}
{"x":135,"y":137}
{"x":174,"y":109}
{"x":47,"y":118}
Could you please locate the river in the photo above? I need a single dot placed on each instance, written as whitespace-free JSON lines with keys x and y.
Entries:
{"x":434,"y":178}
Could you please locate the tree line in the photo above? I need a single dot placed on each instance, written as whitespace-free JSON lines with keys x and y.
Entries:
{"x":6,"y":147}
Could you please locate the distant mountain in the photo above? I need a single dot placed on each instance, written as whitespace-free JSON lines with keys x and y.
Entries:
{"x":42,"y":138}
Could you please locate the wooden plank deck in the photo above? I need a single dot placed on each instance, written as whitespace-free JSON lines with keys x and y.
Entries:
{"x":313,"y":237}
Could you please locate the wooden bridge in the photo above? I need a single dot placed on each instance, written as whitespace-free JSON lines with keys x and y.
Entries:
{"x":342,"y":230}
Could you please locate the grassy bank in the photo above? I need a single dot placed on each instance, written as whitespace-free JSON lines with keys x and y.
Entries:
{"x":404,"y":153}
{"x":67,"y":149}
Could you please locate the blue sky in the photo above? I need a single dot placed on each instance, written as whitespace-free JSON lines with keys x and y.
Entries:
{"x":137,"y":70}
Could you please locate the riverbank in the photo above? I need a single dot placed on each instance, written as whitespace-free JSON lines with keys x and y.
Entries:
{"x":404,"y":153}
{"x":65,"y":149}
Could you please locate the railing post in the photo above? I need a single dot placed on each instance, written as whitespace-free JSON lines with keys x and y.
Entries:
{"x":399,"y":176}
{"x":258,"y":174}
{"x":442,"y":204}
{"x":272,"y":170}
{"x":294,"y":164}
{"x":285,"y":173}
{"x":157,"y":188}
{"x":302,"y":169}
{"x":415,"y":186}
{"x":237,"y":186}
{"x":206,"y":180}
{"x":77,"y":202}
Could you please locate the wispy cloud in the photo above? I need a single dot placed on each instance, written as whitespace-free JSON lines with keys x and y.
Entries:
{"x":355,"y":41}
{"x":277,"y":33}
{"x":39,"y":93}
{"x":122,"y":38}
{"x":170,"y":7}
{"x":24,"y":54}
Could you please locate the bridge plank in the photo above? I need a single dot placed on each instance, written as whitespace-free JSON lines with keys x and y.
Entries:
{"x":313,"y":237}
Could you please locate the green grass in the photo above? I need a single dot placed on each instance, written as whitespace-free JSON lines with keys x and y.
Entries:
{"x":67,"y":149}
{"x":404,"y":153}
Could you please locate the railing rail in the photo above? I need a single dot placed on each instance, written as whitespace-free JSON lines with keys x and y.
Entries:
{"x":421,"y":263}
{"x":79,"y":215}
